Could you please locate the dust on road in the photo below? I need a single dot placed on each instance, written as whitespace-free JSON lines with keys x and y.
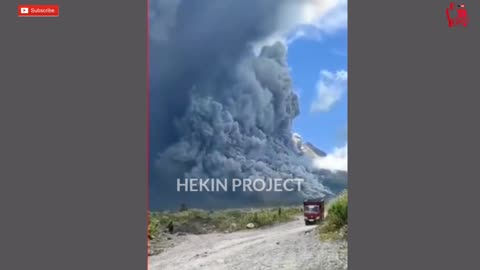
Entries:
{"x":289,"y":246}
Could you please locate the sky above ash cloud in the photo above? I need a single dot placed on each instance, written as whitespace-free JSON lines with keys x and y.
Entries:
{"x":317,"y":57}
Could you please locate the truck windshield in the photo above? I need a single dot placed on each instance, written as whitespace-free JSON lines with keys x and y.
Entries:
{"x":312,"y":209}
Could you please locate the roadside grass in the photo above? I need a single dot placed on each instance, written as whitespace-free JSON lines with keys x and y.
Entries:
{"x":335,"y":226}
{"x":197,"y":221}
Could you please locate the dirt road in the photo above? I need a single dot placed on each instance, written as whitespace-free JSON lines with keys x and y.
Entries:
{"x":287,"y":246}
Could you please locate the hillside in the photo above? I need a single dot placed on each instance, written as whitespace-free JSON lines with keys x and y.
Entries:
{"x":335,"y":181}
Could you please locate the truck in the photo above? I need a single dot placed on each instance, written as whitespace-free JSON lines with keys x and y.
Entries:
{"x":313,"y":211}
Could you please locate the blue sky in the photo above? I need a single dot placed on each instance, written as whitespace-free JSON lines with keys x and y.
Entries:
{"x":326,"y":126}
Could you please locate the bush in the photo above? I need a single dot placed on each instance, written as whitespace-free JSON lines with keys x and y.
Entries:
{"x":153,"y":227}
{"x":337,"y":218}
{"x":199,"y":221}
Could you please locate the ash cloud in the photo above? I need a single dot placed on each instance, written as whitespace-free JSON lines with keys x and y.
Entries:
{"x":218,"y":110}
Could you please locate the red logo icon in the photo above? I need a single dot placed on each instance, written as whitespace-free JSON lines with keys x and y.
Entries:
{"x":38,"y":11}
{"x":457,"y":15}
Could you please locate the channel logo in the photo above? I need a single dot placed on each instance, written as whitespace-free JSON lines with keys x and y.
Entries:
{"x":457,"y":15}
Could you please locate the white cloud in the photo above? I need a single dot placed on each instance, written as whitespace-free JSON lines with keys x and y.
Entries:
{"x":330,"y":89}
{"x":334,"y":161}
{"x":308,"y":19}
{"x":328,"y":16}
{"x":321,"y":17}
{"x":297,"y":35}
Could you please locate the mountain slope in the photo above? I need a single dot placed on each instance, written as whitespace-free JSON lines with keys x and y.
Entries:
{"x":336,"y":181}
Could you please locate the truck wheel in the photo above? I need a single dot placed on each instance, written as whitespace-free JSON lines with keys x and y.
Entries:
{"x":307,"y":223}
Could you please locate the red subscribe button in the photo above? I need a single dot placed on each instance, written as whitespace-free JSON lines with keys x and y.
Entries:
{"x":38,"y":11}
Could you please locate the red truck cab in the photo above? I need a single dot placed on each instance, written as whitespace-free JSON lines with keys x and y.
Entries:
{"x":313,"y":211}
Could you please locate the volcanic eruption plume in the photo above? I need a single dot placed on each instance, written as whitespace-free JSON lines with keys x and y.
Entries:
{"x":218,"y":109}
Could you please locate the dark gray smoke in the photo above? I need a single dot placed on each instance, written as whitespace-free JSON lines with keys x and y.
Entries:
{"x":217,"y":109}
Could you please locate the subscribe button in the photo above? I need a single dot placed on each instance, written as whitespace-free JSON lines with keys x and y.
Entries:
{"x":38,"y":11}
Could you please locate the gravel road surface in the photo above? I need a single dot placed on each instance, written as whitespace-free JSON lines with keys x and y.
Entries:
{"x":289,"y":246}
